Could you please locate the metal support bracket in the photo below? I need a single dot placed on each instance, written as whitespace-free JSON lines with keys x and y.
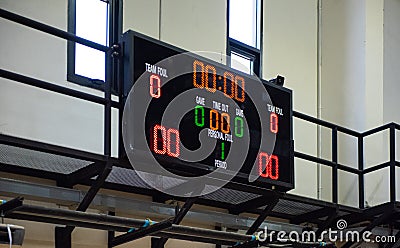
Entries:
{"x":250,"y":244}
{"x":177,"y":220}
{"x":326,"y":224}
{"x":140,"y":233}
{"x":251,"y":204}
{"x":82,"y":175}
{"x":10,"y":206}
{"x":267,"y":210}
{"x":62,"y":233}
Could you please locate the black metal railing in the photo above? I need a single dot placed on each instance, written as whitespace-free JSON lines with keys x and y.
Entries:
{"x":361,"y":171}
{"x":105,"y":101}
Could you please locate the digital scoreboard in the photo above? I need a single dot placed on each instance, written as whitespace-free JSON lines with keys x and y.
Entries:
{"x":195,"y":116}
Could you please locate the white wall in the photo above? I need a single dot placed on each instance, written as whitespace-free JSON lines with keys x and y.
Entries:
{"x":290,"y":49}
{"x":391,"y":61}
{"x":358,"y":89}
{"x":142,"y":16}
{"x":194,"y":25}
{"x":391,"y":87}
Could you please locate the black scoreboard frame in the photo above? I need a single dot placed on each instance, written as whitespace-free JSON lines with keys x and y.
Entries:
{"x":127,"y":67}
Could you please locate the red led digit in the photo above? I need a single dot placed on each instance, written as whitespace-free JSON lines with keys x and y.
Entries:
{"x":196,"y":65}
{"x":262,"y":164}
{"x":214,"y":78}
{"x":270,"y":164}
{"x":155,"y":83}
{"x":228,"y":77}
{"x":157,"y":139}
{"x":273,"y":167}
{"x":225,"y":119}
{"x":273,"y":119}
{"x":213,"y":112}
{"x":177,"y":150}
{"x":242,"y":96}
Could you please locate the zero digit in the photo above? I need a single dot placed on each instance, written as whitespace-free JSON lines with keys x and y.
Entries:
{"x":273,"y":167}
{"x":177,"y":150}
{"x":199,"y":121}
{"x":196,"y":80}
{"x":214,"y":78}
{"x":157,"y":139}
{"x":269,"y":164}
{"x":163,"y":136}
{"x":216,"y":122}
{"x":239,"y":127}
{"x":225,"y":119}
{"x":273,"y":120}
{"x":155,"y":82}
{"x":228,"y":77}
{"x":241,"y":87}
{"x":262,"y":164}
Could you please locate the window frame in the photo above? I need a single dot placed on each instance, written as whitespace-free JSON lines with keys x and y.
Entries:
{"x":114,"y":26}
{"x":253,"y":53}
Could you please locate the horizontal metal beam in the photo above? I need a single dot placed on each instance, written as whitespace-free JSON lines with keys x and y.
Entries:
{"x":377,"y":130}
{"x":115,"y":222}
{"x":376,"y":167}
{"x":326,"y":162}
{"x":64,"y":196}
{"x":325,"y":124}
{"x":50,"y":30}
{"x":51,"y":149}
{"x":195,"y":239}
{"x":54,"y":88}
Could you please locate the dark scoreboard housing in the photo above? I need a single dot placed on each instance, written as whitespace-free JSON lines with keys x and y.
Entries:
{"x":276,"y":172}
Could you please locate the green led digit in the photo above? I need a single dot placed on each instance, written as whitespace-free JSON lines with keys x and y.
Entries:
{"x":199,"y":121}
{"x":222,"y":151}
{"x":239,"y":126}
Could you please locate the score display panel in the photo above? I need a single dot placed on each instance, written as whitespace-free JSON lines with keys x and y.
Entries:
{"x":210,"y":112}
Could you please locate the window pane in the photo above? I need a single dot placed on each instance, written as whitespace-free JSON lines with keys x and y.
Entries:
{"x":91,"y":24}
{"x":244,"y":21}
{"x":241,"y":63}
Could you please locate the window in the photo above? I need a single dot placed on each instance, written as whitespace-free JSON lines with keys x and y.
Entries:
{"x":92,"y":20}
{"x":244,"y":31}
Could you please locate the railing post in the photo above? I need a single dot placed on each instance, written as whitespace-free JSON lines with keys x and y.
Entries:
{"x":107,"y":107}
{"x":335,"y":167}
{"x":392,"y":148}
{"x":361,"y":191}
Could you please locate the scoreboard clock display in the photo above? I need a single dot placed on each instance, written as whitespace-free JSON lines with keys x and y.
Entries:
{"x":219,"y":111}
